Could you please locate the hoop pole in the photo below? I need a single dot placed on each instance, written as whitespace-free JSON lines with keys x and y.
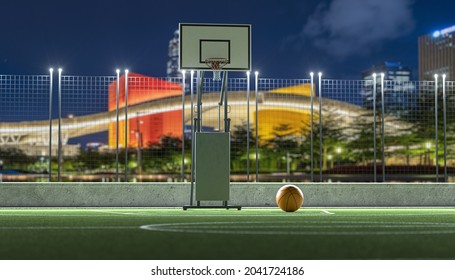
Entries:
{"x":220,"y":102}
{"x":227,"y":121}
{"x":199,"y":100}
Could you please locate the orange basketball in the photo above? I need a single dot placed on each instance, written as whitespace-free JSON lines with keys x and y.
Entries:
{"x":289,"y":198}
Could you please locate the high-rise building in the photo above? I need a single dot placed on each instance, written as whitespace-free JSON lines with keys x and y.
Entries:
{"x":399,"y":92}
{"x":394,"y":71}
{"x":173,"y":56}
{"x":437,"y":54}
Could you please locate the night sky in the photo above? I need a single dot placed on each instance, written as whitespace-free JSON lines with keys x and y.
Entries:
{"x":290,"y":37}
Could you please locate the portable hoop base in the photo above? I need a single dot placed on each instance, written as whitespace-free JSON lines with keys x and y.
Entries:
{"x":199,"y":206}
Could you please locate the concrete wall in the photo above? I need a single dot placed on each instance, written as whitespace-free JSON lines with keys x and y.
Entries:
{"x":242,"y":194}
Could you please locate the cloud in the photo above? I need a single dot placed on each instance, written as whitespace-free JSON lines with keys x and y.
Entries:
{"x":357,"y":27}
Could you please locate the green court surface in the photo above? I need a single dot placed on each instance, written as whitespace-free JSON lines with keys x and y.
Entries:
{"x":171,"y":233}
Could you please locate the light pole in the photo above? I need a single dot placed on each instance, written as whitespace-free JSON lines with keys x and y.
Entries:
{"x":117,"y":94}
{"x":51,"y":75}
{"x":59,"y":148}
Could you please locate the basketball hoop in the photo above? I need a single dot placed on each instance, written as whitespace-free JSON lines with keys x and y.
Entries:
{"x":216,"y":64}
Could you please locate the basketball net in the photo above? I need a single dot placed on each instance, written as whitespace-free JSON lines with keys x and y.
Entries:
{"x":216,"y":64}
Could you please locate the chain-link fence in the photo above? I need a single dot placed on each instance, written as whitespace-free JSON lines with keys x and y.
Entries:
{"x":281,"y":129}
{"x":24,"y":127}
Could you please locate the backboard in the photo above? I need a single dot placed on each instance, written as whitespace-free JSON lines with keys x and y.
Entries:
{"x":199,"y":43}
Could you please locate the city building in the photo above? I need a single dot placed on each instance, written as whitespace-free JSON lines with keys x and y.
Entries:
{"x":173,"y":56}
{"x":399,"y":92}
{"x":393,"y":71}
{"x":437,"y":54}
{"x":144,"y":127}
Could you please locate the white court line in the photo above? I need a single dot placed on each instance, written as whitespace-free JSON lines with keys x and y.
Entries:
{"x":327,"y":212}
{"x":50,"y":215}
{"x":114,"y":212}
{"x":216,"y":229}
{"x":67,"y":227}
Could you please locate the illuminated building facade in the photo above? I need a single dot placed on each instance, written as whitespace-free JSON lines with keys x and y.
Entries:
{"x":437,"y":54}
{"x":144,"y":129}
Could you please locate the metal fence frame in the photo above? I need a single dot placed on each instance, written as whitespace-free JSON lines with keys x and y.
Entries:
{"x":322,"y":95}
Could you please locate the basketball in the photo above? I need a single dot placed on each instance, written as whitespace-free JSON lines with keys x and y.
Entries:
{"x":289,"y":198}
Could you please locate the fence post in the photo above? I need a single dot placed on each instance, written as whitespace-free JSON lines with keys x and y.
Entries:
{"x":320,"y":127}
{"x":248,"y":126}
{"x":256,"y":81}
{"x":117,"y":94}
{"x":374,"y":129}
{"x":445,"y":125}
{"x":193,"y":123}
{"x":311,"y":127}
{"x":183,"y":124}
{"x":59,"y":151}
{"x":51,"y":80}
{"x":382,"y":127}
{"x":126,"y":125}
{"x":436,"y":158}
